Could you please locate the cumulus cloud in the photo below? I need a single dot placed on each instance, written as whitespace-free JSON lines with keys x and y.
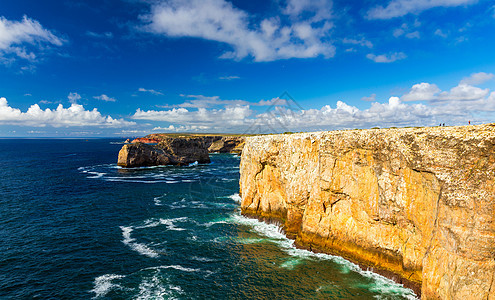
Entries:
{"x":73,"y":97}
{"x":462,"y":92}
{"x":399,"y":8}
{"x":477,"y":78}
{"x":15,"y":36}
{"x":211,"y":118}
{"x":386,"y":58}
{"x":105,"y":98}
{"x":271,"y":39}
{"x":151,"y":91}
{"x":422,"y":92}
{"x":73,"y":116}
{"x":455,"y":106}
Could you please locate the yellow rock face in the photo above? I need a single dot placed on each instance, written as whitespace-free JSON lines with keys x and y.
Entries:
{"x":419,"y":203}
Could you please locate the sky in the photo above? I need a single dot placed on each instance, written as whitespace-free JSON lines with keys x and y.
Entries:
{"x":121,"y":68}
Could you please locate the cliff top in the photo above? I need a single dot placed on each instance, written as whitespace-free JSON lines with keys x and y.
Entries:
{"x":459,"y":132}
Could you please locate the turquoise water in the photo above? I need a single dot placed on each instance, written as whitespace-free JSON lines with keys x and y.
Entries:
{"x":73,"y":225}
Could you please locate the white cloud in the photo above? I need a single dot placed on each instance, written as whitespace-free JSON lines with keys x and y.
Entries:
{"x":73,"y":116}
{"x":371,"y":98}
{"x":181,"y":128}
{"x":386,"y":58}
{"x":477,"y":78}
{"x":73,"y":97}
{"x":440,"y":33}
{"x":271,"y":39}
{"x":229,"y":77}
{"x":151,"y":91}
{"x":360,"y":42}
{"x":104,"y":97}
{"x":212,"y":118}
{"x":399,"y":8}
{"x":456,"y":106}
{"x":16,"y":35}
{"x":319,"y":9}
{"x":275,"y":101}
{"x":103,"y":35}
{"x":464,"y":92}
{"x":422,"y":92}
{"x":413,"y":35}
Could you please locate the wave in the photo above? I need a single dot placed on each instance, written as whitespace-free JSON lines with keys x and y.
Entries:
{"x":235,"y":197}
{"x":380,"y":284}
{"x":138,"y":247}
{"x":103,"y":284}
{"x":154,"y":288}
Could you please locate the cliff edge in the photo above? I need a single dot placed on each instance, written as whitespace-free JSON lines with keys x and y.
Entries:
{"x":418,"y":203}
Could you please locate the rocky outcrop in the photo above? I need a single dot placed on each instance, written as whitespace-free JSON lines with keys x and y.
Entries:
{"x":170,"y":151}
{"x":227,"y":144}
{"x":418,"y":203}
{"x":175,"y":149}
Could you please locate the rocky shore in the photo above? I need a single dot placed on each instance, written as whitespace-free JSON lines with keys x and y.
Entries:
{"x":416,"y":204}
{"x":165,"y":149}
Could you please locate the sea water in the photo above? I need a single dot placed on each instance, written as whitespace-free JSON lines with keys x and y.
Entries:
{"x":74,"y":225}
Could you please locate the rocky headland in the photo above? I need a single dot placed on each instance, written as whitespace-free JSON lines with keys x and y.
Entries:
{"x":416,"y":204}
{"x":167,"y":149}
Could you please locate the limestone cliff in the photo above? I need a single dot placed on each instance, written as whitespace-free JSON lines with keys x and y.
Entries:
{"x":416,"y":202}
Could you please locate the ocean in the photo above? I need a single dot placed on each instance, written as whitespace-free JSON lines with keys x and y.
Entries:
{"x":74,"y":225}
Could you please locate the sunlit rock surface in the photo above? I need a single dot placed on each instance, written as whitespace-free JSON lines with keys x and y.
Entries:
{"x":417,"y":204}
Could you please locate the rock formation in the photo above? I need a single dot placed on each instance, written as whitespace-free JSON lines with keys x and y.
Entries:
{"x":169,"y":151}
{"x":176,"y":149}
{"x":418,"y":203}
{"x":227,"y":144}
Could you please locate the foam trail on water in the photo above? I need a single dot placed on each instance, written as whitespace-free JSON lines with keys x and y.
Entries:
{"x":103,"y":284}
{"x":381,"y":284}
{"x":138,"y":247}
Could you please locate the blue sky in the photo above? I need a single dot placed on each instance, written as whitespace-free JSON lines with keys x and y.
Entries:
{"x":130,"y":67}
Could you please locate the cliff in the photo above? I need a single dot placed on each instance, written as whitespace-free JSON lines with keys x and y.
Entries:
{"x":414,"y":203}
{"x":169,"y":151}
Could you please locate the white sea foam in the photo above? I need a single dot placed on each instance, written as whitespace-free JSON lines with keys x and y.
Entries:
{"x":138,"y":247}
{"x":236,"y":197}
{"x":95,"y":174}
{"x":194,"y":164}
{"x":171,"y":225}
{"x":103,"y":284}
{"x":158,"y":200}
{"x":202,"y":259}
{"x":154,"y":288}
{"x":176,"y":267}
{"x":381,"y":284}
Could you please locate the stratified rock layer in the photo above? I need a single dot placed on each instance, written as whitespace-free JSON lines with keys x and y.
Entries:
{"x":418,"y":203}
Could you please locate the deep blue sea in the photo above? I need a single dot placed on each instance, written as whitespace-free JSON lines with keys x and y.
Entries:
{"x":73,"y":225}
